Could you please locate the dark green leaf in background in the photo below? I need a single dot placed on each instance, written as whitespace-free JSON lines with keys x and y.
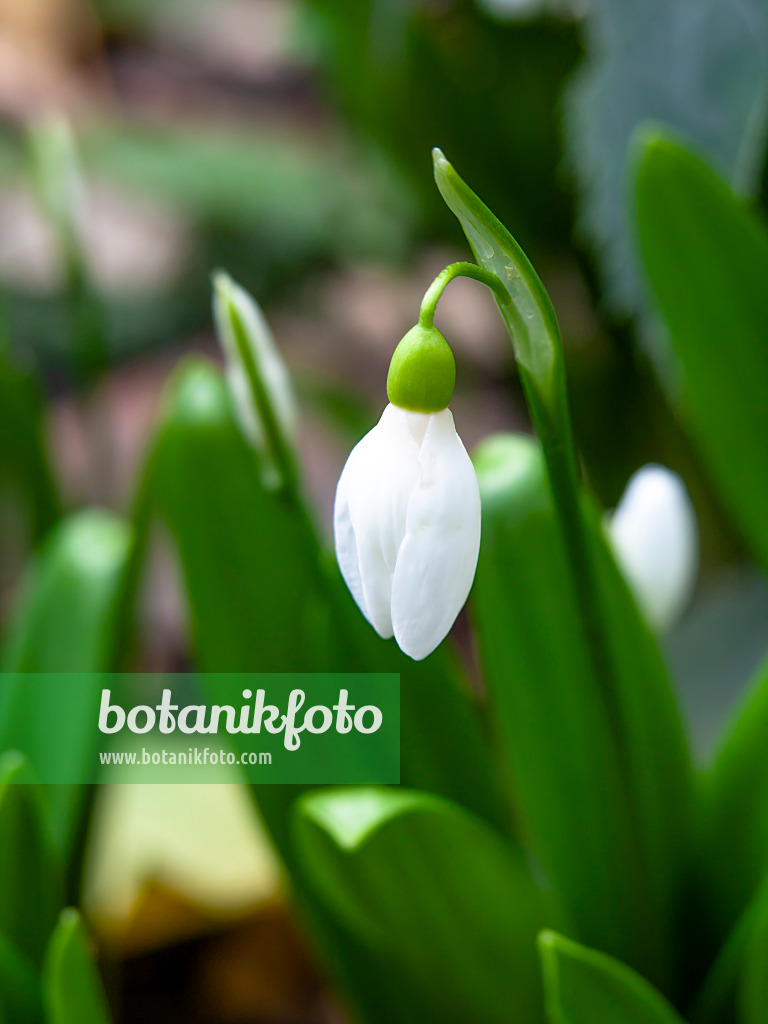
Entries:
{"x":69,"y":618}
{"x":24,"y":465}
{"x":698,"y":65}
{"x":30,"y":878}
{"x":20,"y":995}
{"x":608,"y":822}
{"x":706,"y":257}
{"x":734,"y":810}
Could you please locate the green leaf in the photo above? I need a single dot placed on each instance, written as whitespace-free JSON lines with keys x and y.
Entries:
{"x":529,"y":316}
{"x":69,"y":618}
{"x":30,"y":891}
{"x":734,"y":987}
{"x":24,"y":463}
{"x":753,"y":981}
{"x":605,"y":813}
{"x":450,"y":911}
{"x":64,"y":620}
{"x":664,"y":60}
{"x":734,"y":809}
{"x":72,"y":988}
{"x":20,"y":994}
{"x":583,"y":986}
{"x":706,"y":257}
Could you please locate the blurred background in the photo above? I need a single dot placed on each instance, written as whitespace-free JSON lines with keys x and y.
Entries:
{"x":288,"y":141}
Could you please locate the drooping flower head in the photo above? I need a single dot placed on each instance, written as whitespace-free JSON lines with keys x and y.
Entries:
{"x":407,"y":512}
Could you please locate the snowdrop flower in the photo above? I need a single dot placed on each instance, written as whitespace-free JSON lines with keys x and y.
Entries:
{"x":407,"y":512}
{"x":655,"y":539}
{"x":256,"y":374}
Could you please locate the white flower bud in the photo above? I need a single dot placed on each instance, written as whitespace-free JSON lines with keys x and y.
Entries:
{"x":407,"y":527}
{"x":234,"y":308}
{"x":655,"y":539}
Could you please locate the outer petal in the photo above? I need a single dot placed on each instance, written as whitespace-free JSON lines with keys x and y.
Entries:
{"x":655,"y":539}
{"x":438,"y":557}
{"x":370,"y":513}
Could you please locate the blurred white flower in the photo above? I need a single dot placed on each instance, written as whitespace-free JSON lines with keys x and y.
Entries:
{"x":407,"y":527}
{"x":655,"y":539}
{"x":234,"y":309}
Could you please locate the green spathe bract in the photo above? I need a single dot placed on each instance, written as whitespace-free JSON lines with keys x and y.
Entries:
{"x":422,"y":373}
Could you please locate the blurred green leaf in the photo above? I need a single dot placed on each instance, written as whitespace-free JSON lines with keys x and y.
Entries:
{"x":434,"y":893}
{"x":606,"y":819}
{"x":583,"y":986}
{"x":734,"y":810}
{"x":664,"y":60}
{"x":24,"y":463}
{"x":30,"y":882}
{"x":307,"y":202}
{"x":20,"y":995}
{"x":734,"y":987}
{"x":72,"y":987}
{"x":706,"y":258}
{"x":68,"y":618}
{"x":407,"y":73}
{"x":753,"y":980}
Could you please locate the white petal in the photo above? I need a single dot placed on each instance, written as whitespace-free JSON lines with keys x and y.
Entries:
{"x":370,"y":512}
{"x":266,"y":355}
{"x":438,"y":557}
{"x":655,"y":539}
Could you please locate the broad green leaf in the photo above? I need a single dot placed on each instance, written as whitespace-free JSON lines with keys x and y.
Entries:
{"x":734,"y":809}
{"x":451,"y":912}
{"x":607,"y":819}
{"x":264,"y":597}
{"x":20,"y":995}
{"x":68,"y":618}
{"x":583,"y":986}
{"x":30,"y":890}
{"x":662,"y":60}
{"x":71,"y":984}
{"x":706,"y":257}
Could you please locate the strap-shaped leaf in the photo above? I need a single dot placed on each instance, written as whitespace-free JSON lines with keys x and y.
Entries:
{"x":734,"y":810}
{"x":449,"y":909}
{"x":30,"y":883}
{"x":72,"y":987}
{"x":68,"y":619}
{"x":583,"y":986}
{"x":606,"y":819}
{"x":735,"y":985}
{"x":20,"y":993}
{"x":753,"y":978}
{"x":706,"y":258}
{"x":24,"y":462}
